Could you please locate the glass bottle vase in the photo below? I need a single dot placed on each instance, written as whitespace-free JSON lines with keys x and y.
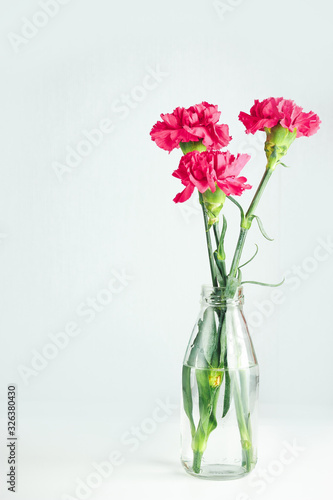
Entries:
{"x":220,"y":391}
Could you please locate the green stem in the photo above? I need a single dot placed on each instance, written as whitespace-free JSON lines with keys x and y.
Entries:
{"x":197,"y":456}
{"x":209,"y":243}
{"x":238,"y":252}
{"x":242,"y":419}
{"x":263,"y":183}
{"x":247,"y":220}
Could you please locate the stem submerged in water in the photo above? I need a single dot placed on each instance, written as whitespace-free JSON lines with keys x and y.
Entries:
{"x":197,"y":456}
{"x":243,"y":419}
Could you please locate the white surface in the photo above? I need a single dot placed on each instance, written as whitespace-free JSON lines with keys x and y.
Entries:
{"x":61,"y":242}
{"x":55,"y":462}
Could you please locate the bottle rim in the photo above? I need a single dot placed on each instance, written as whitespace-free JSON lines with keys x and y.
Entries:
{"x":215,"y":295}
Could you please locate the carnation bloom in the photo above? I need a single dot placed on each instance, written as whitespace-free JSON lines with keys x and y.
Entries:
{"x":211,"y":170}
{"x":278,"y":111}
{"x":197,"y":123}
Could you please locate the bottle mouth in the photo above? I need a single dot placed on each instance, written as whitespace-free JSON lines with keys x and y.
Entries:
{"x":215,"y":295}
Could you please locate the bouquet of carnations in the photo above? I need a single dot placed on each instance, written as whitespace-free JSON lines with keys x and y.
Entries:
{"x":216,"y":175}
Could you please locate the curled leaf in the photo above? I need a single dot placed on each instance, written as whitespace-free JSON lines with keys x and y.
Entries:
{"x":264,"y":284}
{"x":253,"y":256}
{"x":235,"y":202}
{"x":261,"y":227}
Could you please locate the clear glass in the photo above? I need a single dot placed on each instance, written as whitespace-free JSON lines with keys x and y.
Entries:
{"x":220,"y":382}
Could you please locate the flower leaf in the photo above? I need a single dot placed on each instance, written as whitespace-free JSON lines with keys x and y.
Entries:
{"x":231,"y":286}
{"x":219,"y":254}
{"x":235,"y":202}
{"x":220,"y":269}
{"x":187,"y":396}
{"x":220,"y":250}
{"x":261,"y":227}
{"x":208,"y":334}
{"x":264,"y":284}
{"x":253,"y":256}
{"x":227,"y":395}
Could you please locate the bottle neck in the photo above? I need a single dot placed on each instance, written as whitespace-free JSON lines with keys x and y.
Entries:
{"x":216,"y":296}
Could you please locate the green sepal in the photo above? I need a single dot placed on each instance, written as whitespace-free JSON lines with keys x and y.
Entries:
{"x":278,"y":141}
{"x":213,"y":203}
{"x":188,"y":147}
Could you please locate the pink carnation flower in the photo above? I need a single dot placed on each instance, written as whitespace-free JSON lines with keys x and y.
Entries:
{"x":192,"y":124}
{"x":276,"y":110}
{"x":210,"y":168}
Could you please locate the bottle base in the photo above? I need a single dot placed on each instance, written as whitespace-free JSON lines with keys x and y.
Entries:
{"x":217,"y":472}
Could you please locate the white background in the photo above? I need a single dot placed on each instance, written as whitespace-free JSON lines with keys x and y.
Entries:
{"x":63,"y":236}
